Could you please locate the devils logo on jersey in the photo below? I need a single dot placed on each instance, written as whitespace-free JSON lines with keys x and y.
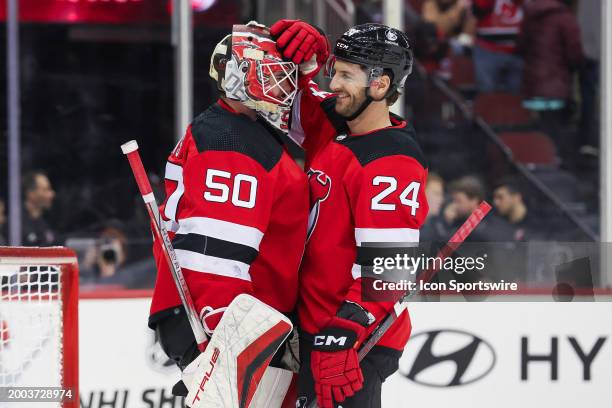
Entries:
{"x":508,"y":12}
{"x":320,"y":186}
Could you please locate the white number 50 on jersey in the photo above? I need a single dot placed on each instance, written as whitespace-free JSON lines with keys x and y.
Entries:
{"x":220,"y":193}
{"x":408,"y":197}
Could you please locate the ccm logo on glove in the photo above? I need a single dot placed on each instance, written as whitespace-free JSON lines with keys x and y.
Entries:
{"x":329,"y":340}
{"x":334,"y":339}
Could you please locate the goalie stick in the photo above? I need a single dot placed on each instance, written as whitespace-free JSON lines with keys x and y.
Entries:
{"x":455,"y":242}
{"x":130,"y":149}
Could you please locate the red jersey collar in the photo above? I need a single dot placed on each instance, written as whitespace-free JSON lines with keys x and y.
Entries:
{"x":396,"y":123}
{"x":225,"y":106}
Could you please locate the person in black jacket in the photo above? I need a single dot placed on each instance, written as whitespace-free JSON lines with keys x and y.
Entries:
{"x":508,"y":202}
{"x":38,"y":196}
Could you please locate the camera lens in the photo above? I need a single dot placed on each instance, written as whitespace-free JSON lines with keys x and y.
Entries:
{"x":109,"y":255}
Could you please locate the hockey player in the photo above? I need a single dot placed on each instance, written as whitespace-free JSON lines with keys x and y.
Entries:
{"x":367,"y":179}
{"x":236,"y":203}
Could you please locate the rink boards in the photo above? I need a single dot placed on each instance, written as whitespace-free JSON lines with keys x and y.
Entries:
{"x":460,"y":354}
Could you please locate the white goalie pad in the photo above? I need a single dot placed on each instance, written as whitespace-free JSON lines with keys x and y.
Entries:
{"x":228,"y":373}
{"x":273,"y":389}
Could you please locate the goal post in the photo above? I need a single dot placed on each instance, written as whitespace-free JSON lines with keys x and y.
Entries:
{"x":39,"y":290}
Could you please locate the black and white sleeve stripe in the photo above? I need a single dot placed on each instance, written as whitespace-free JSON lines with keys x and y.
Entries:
{"x":379,"y":235}
{"x":219,"y":247}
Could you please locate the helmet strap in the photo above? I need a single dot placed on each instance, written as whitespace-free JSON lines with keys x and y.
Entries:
{"x":364,"y":105}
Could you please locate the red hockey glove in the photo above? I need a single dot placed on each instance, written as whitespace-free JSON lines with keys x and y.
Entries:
{"x":335,"y":363}
{"x":303,"y":44}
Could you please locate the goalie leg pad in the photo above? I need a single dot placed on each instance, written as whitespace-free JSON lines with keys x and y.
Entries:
{"x":236,"y":357}
{"x":273,"y":388}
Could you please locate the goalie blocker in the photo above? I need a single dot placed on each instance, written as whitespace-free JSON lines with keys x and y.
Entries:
{"x":234,"y":369}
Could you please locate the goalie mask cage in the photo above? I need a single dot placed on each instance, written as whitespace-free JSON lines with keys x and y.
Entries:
{"x":39,"y":320}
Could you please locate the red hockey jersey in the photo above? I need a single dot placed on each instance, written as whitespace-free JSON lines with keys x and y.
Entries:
{"x":499,"y":23}
{"x":363,"y":188}
{"x":238,"y":206}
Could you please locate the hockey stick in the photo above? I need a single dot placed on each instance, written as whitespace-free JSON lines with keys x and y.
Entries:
{"x":455,"y":242}
{"x":130,"y":149}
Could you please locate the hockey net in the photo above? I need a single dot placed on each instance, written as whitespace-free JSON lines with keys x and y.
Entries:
{"x":39,"y":320}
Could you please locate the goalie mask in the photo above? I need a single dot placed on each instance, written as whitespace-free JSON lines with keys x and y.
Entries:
{"x":248,"y":68}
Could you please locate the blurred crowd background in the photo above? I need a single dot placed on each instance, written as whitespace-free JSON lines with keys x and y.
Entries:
{"x":504,"y":98}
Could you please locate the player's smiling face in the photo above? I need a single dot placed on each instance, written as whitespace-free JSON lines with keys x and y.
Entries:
{"x":349,"y":82}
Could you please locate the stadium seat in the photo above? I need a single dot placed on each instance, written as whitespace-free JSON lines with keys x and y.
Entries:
{"x":502,"y":109}
{"x":462,"y":73}
{"x":531,"y":148}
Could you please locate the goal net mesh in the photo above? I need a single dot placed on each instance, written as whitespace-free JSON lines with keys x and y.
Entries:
{"x":30,"y":326}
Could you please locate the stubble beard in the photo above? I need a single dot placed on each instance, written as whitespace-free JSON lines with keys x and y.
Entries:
{"x":350,"y":104}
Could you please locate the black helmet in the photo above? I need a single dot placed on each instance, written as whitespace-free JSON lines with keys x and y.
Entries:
{"x":378,"y":48}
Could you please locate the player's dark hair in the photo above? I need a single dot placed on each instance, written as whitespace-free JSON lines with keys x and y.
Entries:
{"x":393,"y":96}
{"x":510,"y":184}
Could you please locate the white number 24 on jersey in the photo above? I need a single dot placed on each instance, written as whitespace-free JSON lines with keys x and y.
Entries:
{"x":408,"y":197}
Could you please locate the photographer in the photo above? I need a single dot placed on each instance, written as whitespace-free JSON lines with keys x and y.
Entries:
{"x":103,"y":260}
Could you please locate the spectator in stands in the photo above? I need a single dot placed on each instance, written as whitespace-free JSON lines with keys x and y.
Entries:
{"x":508,"y":201}
{"x":467,"y":193}
{"x":38,"y":196}
{"x":453,"y":19}
{"x":550,"y":45}
{"x":434,"y":190}
{"x":497,"y":66}
{"x":103,"y":260}
{"x":2,"y":223}
{"x":435,"y":228}
{"x":114,"y":261}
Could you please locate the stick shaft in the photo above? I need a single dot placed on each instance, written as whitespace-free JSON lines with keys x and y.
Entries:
{"x":160,"y":233}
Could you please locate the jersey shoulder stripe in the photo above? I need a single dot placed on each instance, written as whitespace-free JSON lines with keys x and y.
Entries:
{"x":216,"y":129}
{"x":385,"y":142}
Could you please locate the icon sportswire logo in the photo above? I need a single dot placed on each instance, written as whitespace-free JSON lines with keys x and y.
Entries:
{"x":447,"y":358}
